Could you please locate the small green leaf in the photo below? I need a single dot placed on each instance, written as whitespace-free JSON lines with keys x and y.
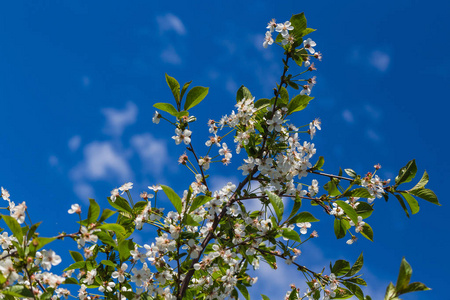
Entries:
{"x":195,"y":96}
{"x":423,"y":181}
{"x":404,"y":276}
{"x":284,"y":95}
{"x":402,"y":203}
{"x":307,"y":31}
{"x":356,"y":290}
{"x":364,"y":209}
{"x":124,"y":249}
{"x":261,"y":102}
{"x":116,"y":228}
{"x":167,"y":107}
{"x":319,"y":164}
{"x":77,"y":265}
{"x":415,"y":287}
{"x":183,"y":90}
{"x":390,"y":292}
{"x":297,"y":206}
{"x":299,"y":23}
{"x":413,"y":204}
{"x":349,"y":211}
{"x":199,"y":201}
{"x":291,"y":234}
{"x":190,"y":221}
{"x":331,"y":188}
{"x":367,"y":232}
{"x":174,"y":86}
{"x":173,"y":197}
{"x":350,"y":173}
{"x":340,"y":227}
{"x":277,"y":204}
{"x":341,"y":267}
{"x":426,"y":194}
{"x":298,"y":103}
{"x":356,"y":266}
{"x":407,"y":173}
{"x":359,"y":192}
{"x":265,"y":297}
{"x":93,"y":212}
{"x":76,"y":256}
{"x":303,"y":217}
{"x":14,"y":226}
{"x":107,"y":213}
{"x":293,"y":295}
{"x":108,"y":263}
{"x":120,"y":204}
{"x":242,"y":93}
{"x":19,"y":291}
{"x":243,"y":291}
{"x":41,"y":242}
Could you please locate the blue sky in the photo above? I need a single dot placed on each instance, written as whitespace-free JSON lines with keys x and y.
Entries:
{"x":78,"y":81}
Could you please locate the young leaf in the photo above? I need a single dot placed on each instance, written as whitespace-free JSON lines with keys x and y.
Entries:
{"x":108,"y":263}
{"x":242,"y":93}
{"x":331,"y":188}
{"x":124,"y":249}
{"x":173,"y":197}
{"x":402,"y":203}
{"x":349,"y":211}
{"x":284,"y":95}
{"x":341,"y":267}
{"x":14,"y":226}
{"x":359,"y":192}
{"x":107,"y":213}
{"x":426,"y":194}
{"x":367,"y":232}
{"x":319,"y":164}
{"x":297,"y":206}
{"x":351,"y":173}
{"x":77,"y":265}
{"x":356,"y":266}
{"x":298,"y":103}
{"x":199,"y":201}
{"x":120,"y":204}
{"x":340,"y":227}
{"x":93,"y":212}
{"x":183,"y":90}
{"x":76,"y":256}
{"x":413,"y":204}
{"x":167,"y":107}
{"x":356,"y":290}
{"x":415,"y":287}
{"x":195,"y":96}
{"x":407,"y":173}
{"x":404,"y":275}
{"x":299,"y":23}
{"x":243,"y":291}
{"x":174,"y":86}
{"x":291,"y":234}
{"x":423,"y":181}
{"x":364,"y":209}
{"x":277,"y":204}
{"x":265,"y":297}
{"x":116,"y":228}
{"x":303,"y":217}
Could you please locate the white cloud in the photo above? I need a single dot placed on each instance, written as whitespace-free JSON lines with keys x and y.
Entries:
{"x":348,"y":116}
{"x":74,"y":143}
{"x":170,"y":22}
{"x":217,"y":182}
{"x":117,"y":120}
{"x":170,"y":55}
{"x":380,"y":60}
{"x":373,"y":136}
{"x":84,"y":191}
{"x":102,"y":162}
{"x":53,"y":161}
{"x":86,"y":81}
{"x":152,"y":152}
{"x":231,"y":86}
{"x":373,"y":112}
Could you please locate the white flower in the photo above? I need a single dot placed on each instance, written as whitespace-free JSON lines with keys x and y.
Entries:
{"x":75,"y":209}
{"x":304,"y":227}
{"x":309,"y":44}
{"x":120,"y":274}
{"x":156,"y":117}
{"x":284,"y":28}
{"x":126,"y":187}
{"x":271,"y":25}
{"x":18,"y":211}
{"x":182,"y":136}
{"x":5,"y":194}
{"x":313,"y":188}
{"x":155,"y":188}
{"x":268,"y":40}
{"x":114,"y":194}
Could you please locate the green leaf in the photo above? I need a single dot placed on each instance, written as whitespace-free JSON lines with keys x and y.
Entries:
{"x":293,"y":295}
{"x":174,"y":86}
{"x":364,"y":209}
{"x":359,"y":192}
{"x":195,"y":96}
{"x":303,"y":217}
{"x":19,"y":291}
{"x":77,"y":256}
{"x":331,"y":188}
{"x":291,"y":234}
{"x":341,"y":267}
{"x":415,"y":287}
{"x":402,"y":203}
{"x":106,"y":238}
{"x":426,"y":194}
{"x":265,"y":297}
{"x":199,"y":201}
{"x":108,"y":263}
{"x":173,"y":197}
{"x":298,"y":103}
{"x":423,"y":181}
{"x":77,"y":265}
{"x":367,"y":232}
{"x":390,"y":292}
{"x":299,"y":23}
{"x":297,"y":206}
{"x":356,"y":266}
{"x":93,"y":212}
{"x":107,"y":213}
{"x":413,"y":204}
{"x":340,"y":227}
{"x":167,"y":107}
{"x":124,"y":249}
{"x":190,"y":221}
{"x":243,"y":291}
{"x":116,"y":228}
{"x":185,"y":87}
{"x":284,"y":95}
{"x":121,"y":204}
{"x":351,"y":173}
{"x":319,"y":164}
{"x":349,"y":211}
{"x":261,"y":102}
{"x":404,"y":276}
{"x":407,"y":173}
{"x":15,"y":228}
{"x":307,"y":31}
{"x":277,"y":204}
{"x":242,"y":93}
{"x":356,"y":290}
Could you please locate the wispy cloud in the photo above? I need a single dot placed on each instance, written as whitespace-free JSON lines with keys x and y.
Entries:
{"x":348,"y":116}
{"x":170,"y":22}
{"x":170,"y":55}
{"x":373,"y":135}
{"x":117,"y":119}
{"x":74,"y":143}
{"x":84,"y":191}
{"x":152,"y":152}
{"x":380,"y":60}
